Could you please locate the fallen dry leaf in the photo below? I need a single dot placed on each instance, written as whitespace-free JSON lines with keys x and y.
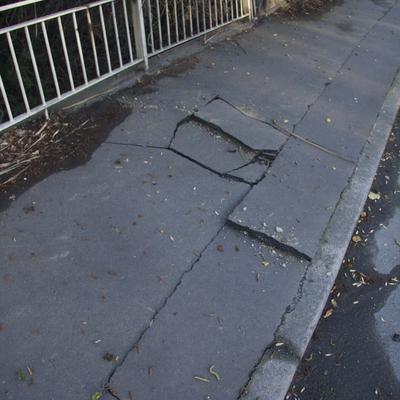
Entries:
{"x":212,"y":371}
{"x":201,"y":379}
{"x":356,"y":239}
{"x":374,"y":196}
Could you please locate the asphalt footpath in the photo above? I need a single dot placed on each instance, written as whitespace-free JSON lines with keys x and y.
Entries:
{"x":192,"y":256}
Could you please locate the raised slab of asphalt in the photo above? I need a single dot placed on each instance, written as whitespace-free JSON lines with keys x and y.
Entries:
{"x":157,"y":271}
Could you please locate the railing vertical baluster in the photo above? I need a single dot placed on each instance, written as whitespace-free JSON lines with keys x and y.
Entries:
{"x":128,"y":31}
{"x":183,"y":19}
{"x":167,"y":17}
{"x":150,"y":24}
{"x":203,"y":4}
{"x":116,"y":33}
{"x":18,"y":71}
{"x":176,"y":21}
{"x":216,"y":12}
{"x":103,"y":28}
{"x":66,"y":56}
{"x":139,"y":32}
{"x":93,"y":42}
{"x":226,"y":10}
{"x":79,"y":44}
{"x":5,"y":99}
{"x":159,"y":24}
{"x":222,"y":12}
{"x":50,"y":55}
{"x":250,"y":9}
{"x":197,"y":17}
{"x":241,"y":8}
{"x":210,"y":14}
{"x":190,"y":18}
{"x":34,"y":64}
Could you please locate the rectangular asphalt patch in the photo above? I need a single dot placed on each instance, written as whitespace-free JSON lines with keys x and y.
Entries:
{"x":293,"y":203}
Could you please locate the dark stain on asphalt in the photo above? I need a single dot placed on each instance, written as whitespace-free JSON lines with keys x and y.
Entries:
{"x":345,"y":26}
{"x":75,"y":146}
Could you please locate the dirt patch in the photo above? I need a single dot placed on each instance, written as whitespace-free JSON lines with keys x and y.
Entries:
{"x":307,"y":7}
{"x":38,"y":148}
{"x":177,"y":67}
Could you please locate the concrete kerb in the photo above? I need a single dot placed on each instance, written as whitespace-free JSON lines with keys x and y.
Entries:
{"x":272,"y":377}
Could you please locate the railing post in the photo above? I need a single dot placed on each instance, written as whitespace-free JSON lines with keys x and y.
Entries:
{"x":248,"y":8}
{"x":139,"y":32}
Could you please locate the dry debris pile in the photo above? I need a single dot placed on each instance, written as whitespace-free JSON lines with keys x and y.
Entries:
{"x":30,"y":153}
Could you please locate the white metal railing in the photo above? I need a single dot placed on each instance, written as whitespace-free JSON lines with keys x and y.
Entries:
{"x":172,"y":22}
{"x":93,"y":42}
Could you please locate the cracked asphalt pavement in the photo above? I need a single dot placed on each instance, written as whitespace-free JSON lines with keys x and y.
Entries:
{"x":164,"y":266}
{"x":355,"y":351}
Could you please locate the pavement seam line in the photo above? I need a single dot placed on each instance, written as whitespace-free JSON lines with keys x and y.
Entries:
{"x":363,"y":37}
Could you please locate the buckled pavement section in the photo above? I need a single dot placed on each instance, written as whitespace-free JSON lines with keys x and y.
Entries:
{"x":308,"y":180}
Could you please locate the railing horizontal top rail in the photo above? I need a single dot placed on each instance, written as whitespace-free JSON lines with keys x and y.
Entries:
{"x":53,"y":16}
{"x":22,"y":3}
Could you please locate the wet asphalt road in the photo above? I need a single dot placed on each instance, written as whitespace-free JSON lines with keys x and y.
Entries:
{"x":355,"y":351}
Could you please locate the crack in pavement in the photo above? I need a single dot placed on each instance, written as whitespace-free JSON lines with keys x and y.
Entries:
{"x":144,"y":146}
{"x":268,"y":240}
{"x":228,"y":137}
{"x":356,"y":46}
{"x":107,"y":387}
{"x":253,"y":161}
{"x":221,"y":175}
{"x":321,"y":259}
{"x":157,"y":311}
{"x":214,"y":126}
{"x":181,"y":122}
{"x":280,"y":348}
{"x":285,"y":131}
